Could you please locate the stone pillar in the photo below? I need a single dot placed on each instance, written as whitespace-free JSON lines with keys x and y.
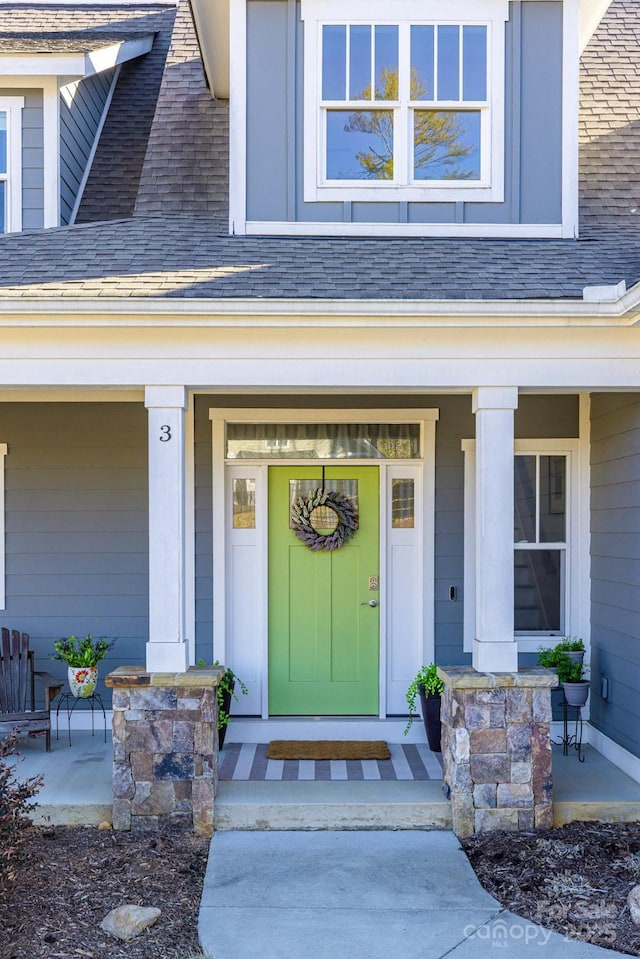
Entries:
{"x":167,"y":648}
{"x":496,"y":748}
{"x":165,"y":749}
{"x":494,"y":647}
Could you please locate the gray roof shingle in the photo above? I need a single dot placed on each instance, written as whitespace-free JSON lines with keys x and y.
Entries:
{"x":187,"y":256}
{"x":176,"y":244}
{"x":610,"y":120}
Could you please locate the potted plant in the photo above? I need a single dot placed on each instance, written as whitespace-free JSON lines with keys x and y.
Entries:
{"x":225,"y":692}
{"x":574,"y":685}
{"x":428,"y":687}
{"x":82,"y":657}
{"x":567,"y":659}
{"x":573,"y":648}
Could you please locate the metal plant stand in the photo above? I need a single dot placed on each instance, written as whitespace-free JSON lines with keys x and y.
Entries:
{"x":69,"y":702}
{"x":571,"y":730}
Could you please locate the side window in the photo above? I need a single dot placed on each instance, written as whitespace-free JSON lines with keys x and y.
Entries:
{"x":540,"y":543}
{"x":405,"y":109}
{"x":11,"y":164}
{"x":545,"y":542}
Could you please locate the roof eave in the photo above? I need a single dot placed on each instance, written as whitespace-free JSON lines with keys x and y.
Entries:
{"x":211,"y":19}
{"x":243,"y":312}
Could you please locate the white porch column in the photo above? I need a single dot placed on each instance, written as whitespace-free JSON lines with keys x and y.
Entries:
{"x":167,"y":648}
{"x":494,"y":647}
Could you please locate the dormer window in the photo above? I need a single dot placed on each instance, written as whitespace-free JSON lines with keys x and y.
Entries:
{"x":11,"y":164}
{"x":405,"y":104}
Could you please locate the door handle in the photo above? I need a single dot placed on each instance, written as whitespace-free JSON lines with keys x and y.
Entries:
{"x":371,"y":602}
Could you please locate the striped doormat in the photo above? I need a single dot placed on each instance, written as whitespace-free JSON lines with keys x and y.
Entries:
{"x":248,"y":762}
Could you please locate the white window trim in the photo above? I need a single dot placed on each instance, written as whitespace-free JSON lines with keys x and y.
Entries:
{"x":493,"y":13}
{"x":13,"y":106}
{"x":572,"y":614}
{"x":3,"y":591}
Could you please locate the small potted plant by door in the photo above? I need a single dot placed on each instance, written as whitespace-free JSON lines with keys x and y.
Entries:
{"x":225,"y":692}
{"x":427,"y":686}
{"x":82,"y":657}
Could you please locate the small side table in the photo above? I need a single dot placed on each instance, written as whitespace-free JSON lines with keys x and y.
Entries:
{"x":69,"y":702}
{"x":569,"y":737}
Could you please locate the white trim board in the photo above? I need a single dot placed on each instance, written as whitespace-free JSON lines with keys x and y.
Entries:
{"x":618,"y":755}
{"x":443,"y":230}
{"x":238,"y":117}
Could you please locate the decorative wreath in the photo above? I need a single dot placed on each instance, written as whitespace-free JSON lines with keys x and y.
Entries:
{"x":341,"y":505}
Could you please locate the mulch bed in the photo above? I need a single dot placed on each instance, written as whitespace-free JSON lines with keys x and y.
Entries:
{"x":574,"y":880}
{"x":70,"y":877}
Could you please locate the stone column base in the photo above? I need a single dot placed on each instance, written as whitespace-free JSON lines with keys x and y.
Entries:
{"x":496,"y":748}
{"x":165,"y":749}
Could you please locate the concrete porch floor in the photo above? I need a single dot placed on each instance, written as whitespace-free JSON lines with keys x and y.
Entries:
{"x":77,"y":789}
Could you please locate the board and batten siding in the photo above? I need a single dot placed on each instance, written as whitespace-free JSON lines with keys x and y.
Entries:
{"x":536,"y":417}
{"x":32,"y":155}
{"x":82,"y":105}
{"x":533,"y":126}
{"x":77,"y":526}
{"x":615,"y":566}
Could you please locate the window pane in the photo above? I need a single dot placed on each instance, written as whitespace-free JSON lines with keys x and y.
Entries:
{"x":386,"y":60}
{"x":323,"y":440}
{"x":360,"y":63}
{"x":538,"y":578}
{"x":474,"y":63}
{"x":553,"y":499}
{"x":448,"y":63}
{"x":244,"y":504}
{"x":3,"y":207}
{"x":524,"y":499}
{"x":446,"y":145}
{"x":422,"y":63}
{"x":359,"y":145}
{"x":334,"y":63}
{"x":402,"y":504}
{"x":3,"y":142}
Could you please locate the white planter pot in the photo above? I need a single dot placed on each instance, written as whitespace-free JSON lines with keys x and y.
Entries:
{"x":82,"y":680}
{"x":576,"y":694}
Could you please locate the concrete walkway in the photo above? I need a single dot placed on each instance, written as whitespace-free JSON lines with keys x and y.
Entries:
{"x":359,"y":895}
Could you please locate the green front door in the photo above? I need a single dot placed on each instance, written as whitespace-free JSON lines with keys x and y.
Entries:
{"x":323,"y":635}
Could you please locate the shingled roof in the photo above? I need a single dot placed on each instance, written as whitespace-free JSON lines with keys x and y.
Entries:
{"x":176,"y":245}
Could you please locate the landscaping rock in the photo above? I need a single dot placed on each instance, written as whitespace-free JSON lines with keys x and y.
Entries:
{"x":633,"y":901}
{"x":127,"y":922}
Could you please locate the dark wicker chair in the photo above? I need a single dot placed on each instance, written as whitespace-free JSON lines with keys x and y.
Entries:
{"x":17,"y":688}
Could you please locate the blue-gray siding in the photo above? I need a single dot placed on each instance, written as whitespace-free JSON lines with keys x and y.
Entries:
{"x":32,"y":156}
{"x":537,"y":416}
{"x":79,"y":123}
{"x":533,"y":126}
{"x":77,"y":527}
{"x":615,"y":565}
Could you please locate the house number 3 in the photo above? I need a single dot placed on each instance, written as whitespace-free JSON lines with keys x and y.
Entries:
{"x":166,"y":434}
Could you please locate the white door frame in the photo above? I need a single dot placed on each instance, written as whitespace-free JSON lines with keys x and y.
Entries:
{"x":223,"y":533}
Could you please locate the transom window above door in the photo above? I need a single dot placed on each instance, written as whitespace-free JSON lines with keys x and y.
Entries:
{"x":406,"y":108}
{"x":315,"y":441}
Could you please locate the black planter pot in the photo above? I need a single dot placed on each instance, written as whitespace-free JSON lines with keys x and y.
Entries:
{"x":226,"y":706}
{"x":430,"y":706}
